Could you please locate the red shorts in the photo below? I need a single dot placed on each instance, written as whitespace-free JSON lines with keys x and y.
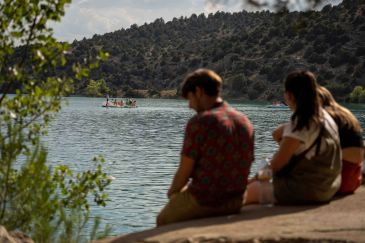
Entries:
{"x":351,"y":177}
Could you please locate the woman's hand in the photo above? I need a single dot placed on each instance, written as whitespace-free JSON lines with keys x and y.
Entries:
{"x":252,"y":179}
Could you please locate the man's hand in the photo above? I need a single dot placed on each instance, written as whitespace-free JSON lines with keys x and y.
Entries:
{"x":170,"y":192}
{"x":182,"y":175}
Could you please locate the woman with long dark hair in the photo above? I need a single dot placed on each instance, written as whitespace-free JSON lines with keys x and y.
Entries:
{"x":307,"y":166}
{"x":351,"y":140}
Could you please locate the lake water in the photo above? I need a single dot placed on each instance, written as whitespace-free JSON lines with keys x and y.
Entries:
{"x":141,"y":147}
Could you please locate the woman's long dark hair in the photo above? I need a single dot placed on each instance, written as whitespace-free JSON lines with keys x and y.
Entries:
{"x":340,"y":114}
{"x":303,"y":86}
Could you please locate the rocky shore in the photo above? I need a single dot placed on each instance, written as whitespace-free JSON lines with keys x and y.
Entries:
{"x":13,"y":236}
{"x":342,"y":220}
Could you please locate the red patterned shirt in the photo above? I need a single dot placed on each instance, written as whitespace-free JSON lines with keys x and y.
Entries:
{"x":221,"y":142}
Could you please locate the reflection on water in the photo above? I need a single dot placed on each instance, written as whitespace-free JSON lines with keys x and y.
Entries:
{"x":141,"y":147}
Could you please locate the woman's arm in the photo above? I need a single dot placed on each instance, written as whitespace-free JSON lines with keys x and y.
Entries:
{"x":353,"y":154}
{"x":286,"y":150}
{"x":277,"y":134}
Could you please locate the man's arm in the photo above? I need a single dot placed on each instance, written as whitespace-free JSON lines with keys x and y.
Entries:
{"x":182,"y":175}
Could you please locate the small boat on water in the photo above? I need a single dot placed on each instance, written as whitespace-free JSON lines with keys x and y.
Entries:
{"x":278,"y":105}
{"x":112,"y":105}
{"x":129,"y":103}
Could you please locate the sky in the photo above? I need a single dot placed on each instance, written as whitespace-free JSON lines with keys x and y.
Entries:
{"x":84,"y":18}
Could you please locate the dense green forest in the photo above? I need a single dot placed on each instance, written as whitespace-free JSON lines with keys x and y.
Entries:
{"x":252,"y":51}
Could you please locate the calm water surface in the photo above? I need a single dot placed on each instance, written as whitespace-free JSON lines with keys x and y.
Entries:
{"x":141,"y":147}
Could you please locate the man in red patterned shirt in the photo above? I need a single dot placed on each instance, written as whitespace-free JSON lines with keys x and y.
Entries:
{"x":216,"y":157}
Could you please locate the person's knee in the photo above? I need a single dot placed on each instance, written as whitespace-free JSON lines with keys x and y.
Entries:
{"x":165,"y":216}
{"x":181,"y":207}
{"x":160,"y":220}
{"x":252,"y":193}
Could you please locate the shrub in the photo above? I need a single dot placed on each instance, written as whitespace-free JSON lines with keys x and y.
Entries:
{"x":97,"y":88}
{"x":294,"y":47}
{"x":316,"y":58}
{"x":49,"y":204}
{"x":360,"y":51}
{"x":308,"y":52}
{"x":336,"y":61}
{"x":357,"y":95}
{"x":337,"y":89}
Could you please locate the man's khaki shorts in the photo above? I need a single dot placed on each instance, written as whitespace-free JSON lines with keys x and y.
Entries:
{"x":183,"y":206}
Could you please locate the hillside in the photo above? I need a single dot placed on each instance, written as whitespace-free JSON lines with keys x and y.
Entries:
{"x":252,"y":51}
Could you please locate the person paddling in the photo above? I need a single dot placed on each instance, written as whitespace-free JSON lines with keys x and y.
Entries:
{"x":107,"y":100}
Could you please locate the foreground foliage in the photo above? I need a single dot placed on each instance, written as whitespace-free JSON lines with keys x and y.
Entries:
{"x":51,"y":204}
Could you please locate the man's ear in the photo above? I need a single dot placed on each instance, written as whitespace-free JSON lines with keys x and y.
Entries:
{"x":291,"y":97}
{"x":199,"y":91}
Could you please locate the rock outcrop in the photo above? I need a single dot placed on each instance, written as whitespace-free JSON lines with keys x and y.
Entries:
{"x":13,"y":236}
{"x":342,"y":220}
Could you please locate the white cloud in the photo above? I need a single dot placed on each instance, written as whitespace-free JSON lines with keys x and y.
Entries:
{"x":85,"y":21}
{"x":84,"y":18}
